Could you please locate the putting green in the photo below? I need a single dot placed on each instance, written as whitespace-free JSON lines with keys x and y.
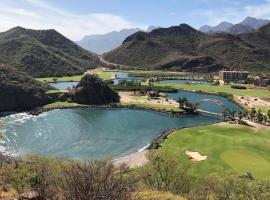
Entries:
{"x":245,"y":161}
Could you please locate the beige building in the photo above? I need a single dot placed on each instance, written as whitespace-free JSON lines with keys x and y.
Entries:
{"x":262,"y":81}
{"x":233,"y":76}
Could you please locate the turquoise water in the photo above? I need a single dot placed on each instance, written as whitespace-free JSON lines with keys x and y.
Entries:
{"x":63,"y":85}
{"x":88,"y":134}
{"x":194,"y":97}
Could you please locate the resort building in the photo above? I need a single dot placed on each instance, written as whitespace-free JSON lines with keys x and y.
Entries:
{"x":262,"y":81}
{"x":233,"y":76}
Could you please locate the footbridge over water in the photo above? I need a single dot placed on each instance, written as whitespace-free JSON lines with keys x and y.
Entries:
{"x":227,"y":113}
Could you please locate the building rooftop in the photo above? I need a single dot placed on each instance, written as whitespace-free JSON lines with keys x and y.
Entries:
{"x":235,"y":71}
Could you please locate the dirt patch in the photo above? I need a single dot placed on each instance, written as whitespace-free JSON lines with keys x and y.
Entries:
{"x":129,"y":97}
{"x":196,"y":156}
{"x":251,"y":102}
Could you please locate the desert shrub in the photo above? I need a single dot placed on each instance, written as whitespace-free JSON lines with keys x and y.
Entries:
{"x":96,"y":180}
{"x":37,"y":174}
{"x":229,"y":186}
{"x":129,"y":83}
{"x":164,"y":173}
{"x":241,"y":87}
{"x":226,"y":95}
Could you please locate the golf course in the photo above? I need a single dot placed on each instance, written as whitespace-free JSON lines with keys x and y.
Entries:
{"x":228,"y":147}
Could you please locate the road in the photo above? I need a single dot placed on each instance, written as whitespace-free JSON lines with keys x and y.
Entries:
{"x":113,"y":64}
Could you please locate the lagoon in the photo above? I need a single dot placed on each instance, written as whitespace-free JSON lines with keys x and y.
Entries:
{"x":88,"y":134}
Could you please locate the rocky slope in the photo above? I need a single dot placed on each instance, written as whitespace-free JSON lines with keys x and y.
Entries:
{"x":43,"y":53}
{"x":19,"y":91}
{"x":259,"y":39}
{"x":239,"y":29}
{"x":184,"y":48}
{"x":92,"y":91}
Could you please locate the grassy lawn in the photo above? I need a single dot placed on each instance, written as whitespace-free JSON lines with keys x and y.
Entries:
{"x":61,"y":79}
{"x":242,"y":161}
{"x":221,"y":88}
{"x":104,"y":75}
{"x":59,"y":104}
{"x":238,"y":148}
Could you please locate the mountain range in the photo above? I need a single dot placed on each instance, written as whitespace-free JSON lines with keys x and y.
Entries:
{"x":43,"y":53}
{"x":184,"y":48}
{"x":249,"y":24}
{"x":103,"y":43}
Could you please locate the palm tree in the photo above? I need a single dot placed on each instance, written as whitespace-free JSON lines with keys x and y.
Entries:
{"x":182,"y":102}
{"x":240,"y":116}
{"x":268,"y":114}
{"x":259,"y":116}
{"x":252,"y":114}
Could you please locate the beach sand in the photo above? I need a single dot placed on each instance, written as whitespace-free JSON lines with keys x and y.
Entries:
{"x":137,"y":159}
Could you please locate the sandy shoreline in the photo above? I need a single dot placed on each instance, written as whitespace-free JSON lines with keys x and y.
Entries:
{"x":133,"y":160}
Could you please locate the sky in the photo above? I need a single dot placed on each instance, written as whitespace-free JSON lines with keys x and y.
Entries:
{"x":77,"y":18}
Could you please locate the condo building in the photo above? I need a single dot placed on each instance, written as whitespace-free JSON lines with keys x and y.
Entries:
{"x":233,"y":76}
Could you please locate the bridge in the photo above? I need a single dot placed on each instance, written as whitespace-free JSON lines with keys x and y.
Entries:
{"x":226,"y":111}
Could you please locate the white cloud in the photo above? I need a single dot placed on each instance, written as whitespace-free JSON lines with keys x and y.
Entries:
{"x":36,"y":14}
{"x":233,"y":14}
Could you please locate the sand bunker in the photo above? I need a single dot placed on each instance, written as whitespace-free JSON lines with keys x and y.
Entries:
{"x":196,"y":156}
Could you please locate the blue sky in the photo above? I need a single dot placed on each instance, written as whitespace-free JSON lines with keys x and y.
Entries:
{"x":76,"y":18}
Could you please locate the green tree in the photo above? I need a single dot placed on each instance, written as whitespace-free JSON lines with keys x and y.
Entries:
{"x":182,"y":102}
{"x":259,"y":116}
{"x":268,"y":114}
{"x":240,"y":116}
{"x":252,"y":114}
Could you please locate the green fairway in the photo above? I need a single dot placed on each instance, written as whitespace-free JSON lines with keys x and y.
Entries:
{"x":220,"y":88}
{"x":242,"y":161}
{"x":228,"y":147}
{"x":104,"y":75}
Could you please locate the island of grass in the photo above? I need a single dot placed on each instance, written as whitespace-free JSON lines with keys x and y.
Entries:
{"x":228,"y":147}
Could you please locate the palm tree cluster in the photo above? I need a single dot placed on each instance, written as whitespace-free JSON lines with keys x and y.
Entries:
{"x":186,"y":105}
{"x":256,"y":116}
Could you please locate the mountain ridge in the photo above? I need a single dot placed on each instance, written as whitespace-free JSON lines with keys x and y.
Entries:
{"x":42,"y":53}
{"x":249,"y":24}
{"x":184,"y":48}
